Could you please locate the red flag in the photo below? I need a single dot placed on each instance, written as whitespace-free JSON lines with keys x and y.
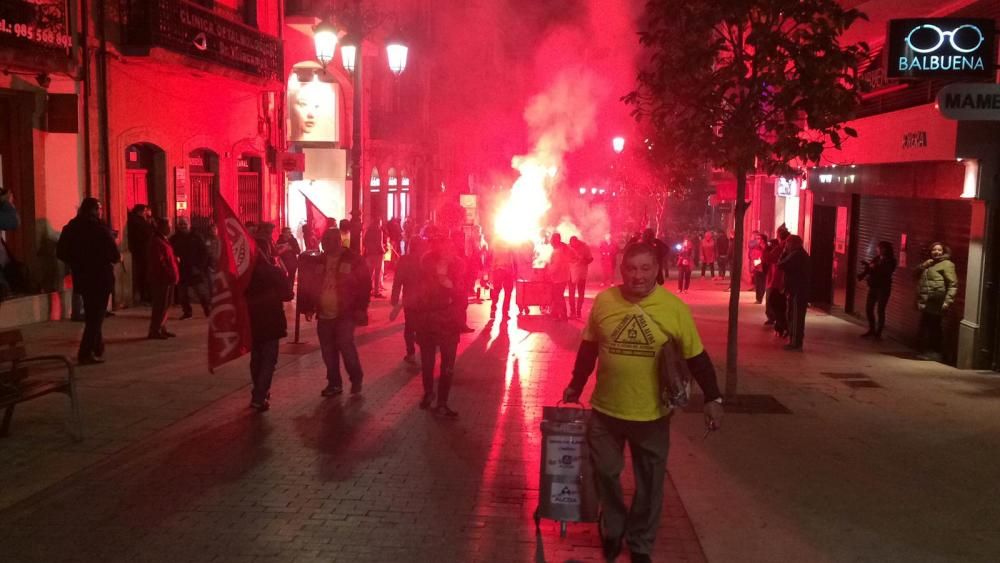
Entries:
{"x":229,"y":321}
{"x":316,"y":224}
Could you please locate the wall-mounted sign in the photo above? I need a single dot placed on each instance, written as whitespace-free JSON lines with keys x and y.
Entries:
{"x":191,"y":30}
{"x":937,"y":47}
{"x":35,"y":24}
{"x":786,"y":187}
{"x":914,"y":139}
{"x":293,"y":162}
{"x":970,"y":102}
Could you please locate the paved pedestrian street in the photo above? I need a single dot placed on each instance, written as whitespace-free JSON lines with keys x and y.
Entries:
{"x":175,"y":467}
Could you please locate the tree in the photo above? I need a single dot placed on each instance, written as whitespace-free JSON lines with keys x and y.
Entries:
{"x":747,"y":85}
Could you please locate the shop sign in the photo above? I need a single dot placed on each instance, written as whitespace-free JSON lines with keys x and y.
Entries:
{"x":970,"y":102}
{"x":914,"y":139}
{"x":189,"y":29}
{"x":293,"y":162}
{"x":941,"y":47}
{"x":35,"y":25}
{"x":786,"y":187}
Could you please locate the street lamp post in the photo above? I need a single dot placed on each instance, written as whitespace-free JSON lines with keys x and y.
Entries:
{"x":352,"y":58}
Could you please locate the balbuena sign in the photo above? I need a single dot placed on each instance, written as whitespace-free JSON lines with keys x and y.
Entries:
{"x":940,"y":47}
{"x":970,"y":102}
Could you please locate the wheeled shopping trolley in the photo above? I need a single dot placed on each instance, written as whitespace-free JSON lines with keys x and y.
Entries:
{"x":533,"y":294}
{"x":566,"y":485}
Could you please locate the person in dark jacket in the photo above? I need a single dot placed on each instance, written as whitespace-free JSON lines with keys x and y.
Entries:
{"x":758,"y":270}
{"x":685,"y":262}
{"x":776,"y":305}
{"x":139,"y":229}
{"x":88,"y":246}
{"x":163,"y":275}
{"x":722,"y":243}
{"x":335,"y":287}
{"x":405,"y":285}
{"x":440,"y":312}
{"x":794,"y":264}
{"x":503,"y":272}
{"x":287,"y":250}
{"x":878,"y":271}
{"x":193,"y":260}
{"x":662,"y":252}
{"x":268,"y":289}
{"x":936,"y":293}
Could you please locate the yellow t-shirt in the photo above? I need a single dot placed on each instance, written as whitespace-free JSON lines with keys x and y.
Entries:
{"x":629,"y":337}
{"x":328,"y":292}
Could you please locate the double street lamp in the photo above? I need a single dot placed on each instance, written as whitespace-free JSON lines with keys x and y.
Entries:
{"x":326,"y":38}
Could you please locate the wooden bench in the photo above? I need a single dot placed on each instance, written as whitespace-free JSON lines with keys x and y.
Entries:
{"x":18,"y":384}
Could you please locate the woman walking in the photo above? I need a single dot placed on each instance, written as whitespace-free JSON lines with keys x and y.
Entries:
{"x":878,"y":271}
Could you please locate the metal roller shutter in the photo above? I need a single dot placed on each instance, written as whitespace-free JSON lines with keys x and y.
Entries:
{"x":922,"y":221}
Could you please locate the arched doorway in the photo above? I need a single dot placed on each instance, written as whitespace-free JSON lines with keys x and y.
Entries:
{"x":203,"y":169}
{"x":250,"y":196}
{"x":146,"y":177}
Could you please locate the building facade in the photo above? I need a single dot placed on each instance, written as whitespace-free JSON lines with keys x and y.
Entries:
{"x":912,"y":177}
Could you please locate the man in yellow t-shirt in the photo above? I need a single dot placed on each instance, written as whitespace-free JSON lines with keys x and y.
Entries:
{"x":627,"y":328}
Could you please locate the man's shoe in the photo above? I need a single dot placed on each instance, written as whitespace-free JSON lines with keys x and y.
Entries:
{"x":167,"y":333}
{"x":868,"y":334}
{"x":443,"y":410}
{"x":792,"y":348}
{"x":332,"y":390}
{"x":641,"y":558}
{"x":769,"y":322}
{"x":611,"y":548}
{"x":261,"y":406}
{"x":90,"y":360}
{"x":356,"y":388}
{"x":157,"y":336}
{"x":467,"y":329}
{"x":425,"y":403}
{"x":185,"y":316}
{"x":77,"y":318}
{"x":108,"y":314}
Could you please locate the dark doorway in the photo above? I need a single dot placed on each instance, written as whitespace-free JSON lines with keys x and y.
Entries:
{"x":146,"y":177}
{"x":250,"y":197}
{"x":203,"y":166}
{"x":824,"y":230}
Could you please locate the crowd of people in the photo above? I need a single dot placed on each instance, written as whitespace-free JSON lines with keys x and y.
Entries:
{"x":779,"y":268}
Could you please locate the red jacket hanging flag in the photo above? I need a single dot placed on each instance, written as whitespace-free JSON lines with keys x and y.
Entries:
{"x":316,"y":224}
{"x":229,"y":321}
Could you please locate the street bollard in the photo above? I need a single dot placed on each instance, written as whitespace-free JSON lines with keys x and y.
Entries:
{"x":566,"y":490}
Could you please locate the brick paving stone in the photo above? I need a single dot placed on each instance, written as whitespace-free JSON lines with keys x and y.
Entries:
{"x":370,"y":478}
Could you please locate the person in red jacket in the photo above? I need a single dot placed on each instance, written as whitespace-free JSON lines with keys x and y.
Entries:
{"x":162,"y":276}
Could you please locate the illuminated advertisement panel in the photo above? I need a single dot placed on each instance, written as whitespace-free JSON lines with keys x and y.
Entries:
{"x":312,"y":111}
{"x":941,"y":47}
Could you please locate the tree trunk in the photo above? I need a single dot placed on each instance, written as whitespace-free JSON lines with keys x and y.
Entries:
{"x":732,"y":342}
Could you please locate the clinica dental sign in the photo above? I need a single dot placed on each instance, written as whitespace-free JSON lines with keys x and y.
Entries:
{"x":940,"y":47}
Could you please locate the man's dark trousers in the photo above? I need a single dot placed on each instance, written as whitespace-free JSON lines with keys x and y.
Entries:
{"x":503,"y":280}
{"x":95,"y":307}
{"x":649,"y":443}
{"x":263,"y":360}
{"x":336,"y":339}
{"x":448,"y":344}
{"x":797,"y":305}
{"x":409,"y":333}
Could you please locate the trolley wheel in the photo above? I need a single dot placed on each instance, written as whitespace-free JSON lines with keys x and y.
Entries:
{"x":538,"y":522}
{"x":562,"y":529}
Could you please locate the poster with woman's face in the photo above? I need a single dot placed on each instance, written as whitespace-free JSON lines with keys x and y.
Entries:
{"x":312,"y":111}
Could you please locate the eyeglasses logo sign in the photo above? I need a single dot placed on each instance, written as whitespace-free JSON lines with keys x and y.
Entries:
{"x":941,"y":47}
